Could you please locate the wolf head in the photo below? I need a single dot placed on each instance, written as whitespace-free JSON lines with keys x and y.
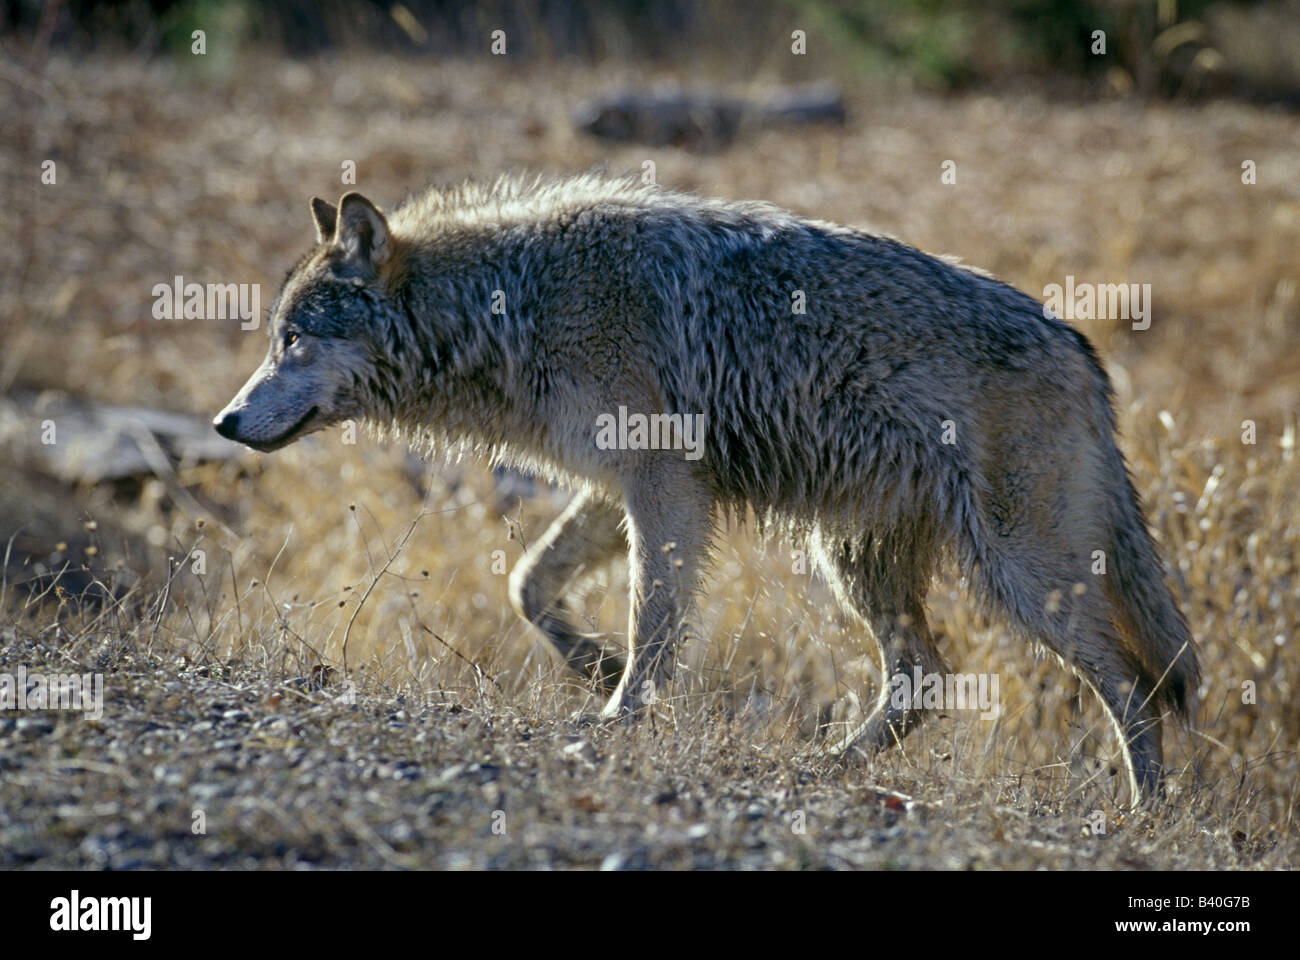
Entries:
{"x":328,"y":328}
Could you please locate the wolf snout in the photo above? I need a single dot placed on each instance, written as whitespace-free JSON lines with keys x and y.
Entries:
{"x":227,"y":424}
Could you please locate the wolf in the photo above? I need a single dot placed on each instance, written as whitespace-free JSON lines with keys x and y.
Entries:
{"x":889,"y":409}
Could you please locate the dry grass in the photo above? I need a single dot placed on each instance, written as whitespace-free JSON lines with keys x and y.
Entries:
{"x":165,"y":171}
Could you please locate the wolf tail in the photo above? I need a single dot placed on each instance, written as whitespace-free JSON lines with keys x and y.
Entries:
{"x":1148,"y":614}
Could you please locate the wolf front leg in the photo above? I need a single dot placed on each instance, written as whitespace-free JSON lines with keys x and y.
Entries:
{"x":669,"y":522}
{"x":586,"y":535}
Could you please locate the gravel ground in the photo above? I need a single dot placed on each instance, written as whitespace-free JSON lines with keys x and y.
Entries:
{"x":218,"y":766}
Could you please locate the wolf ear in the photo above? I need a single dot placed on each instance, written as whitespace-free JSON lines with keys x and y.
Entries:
{"x":326,"y":216}
{"x":362,"y":230}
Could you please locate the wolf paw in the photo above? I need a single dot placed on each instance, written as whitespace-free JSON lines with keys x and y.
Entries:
{"x":582,"y":719}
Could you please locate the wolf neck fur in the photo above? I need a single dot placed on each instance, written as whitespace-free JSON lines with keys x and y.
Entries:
{"x":459,"y":377}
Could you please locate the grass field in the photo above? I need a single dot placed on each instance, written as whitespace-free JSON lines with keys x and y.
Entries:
{"x":451,"y":718}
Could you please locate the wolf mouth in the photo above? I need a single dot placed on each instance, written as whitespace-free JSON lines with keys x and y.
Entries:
{"x":290,"y":435}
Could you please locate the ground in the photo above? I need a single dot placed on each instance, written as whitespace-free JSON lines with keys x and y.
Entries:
{"x":203,"y":766}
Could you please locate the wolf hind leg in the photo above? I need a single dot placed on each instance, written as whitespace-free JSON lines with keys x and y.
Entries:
{"x":883,"y":579}
{"x":581,"y":540}
{"x":1076,"y":621}
{"x":1056,"y":496}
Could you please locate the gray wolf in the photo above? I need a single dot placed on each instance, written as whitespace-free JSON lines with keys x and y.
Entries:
{"x":888,"y":409}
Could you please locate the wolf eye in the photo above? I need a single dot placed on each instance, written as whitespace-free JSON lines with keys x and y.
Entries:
{"x":290,"y":339}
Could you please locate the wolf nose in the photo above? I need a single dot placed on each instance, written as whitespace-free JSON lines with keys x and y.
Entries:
{"x":227,"y":424}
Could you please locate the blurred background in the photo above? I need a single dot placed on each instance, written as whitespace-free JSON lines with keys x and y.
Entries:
{"x":1116,"y":141}
{"x":1245,"y":48}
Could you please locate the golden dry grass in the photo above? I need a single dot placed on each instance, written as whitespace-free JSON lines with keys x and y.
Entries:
{"x":165,"y":170}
